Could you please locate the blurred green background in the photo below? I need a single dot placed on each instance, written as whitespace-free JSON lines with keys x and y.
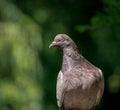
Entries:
{"x":28,"y":68}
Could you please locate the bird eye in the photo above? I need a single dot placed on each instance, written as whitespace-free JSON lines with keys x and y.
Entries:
{"x":62,"y":39}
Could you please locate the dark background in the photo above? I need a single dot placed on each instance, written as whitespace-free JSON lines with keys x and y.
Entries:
{"x":28,"y":68}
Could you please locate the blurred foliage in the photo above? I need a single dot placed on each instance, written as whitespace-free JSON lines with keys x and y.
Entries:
{"x":28,"y":68}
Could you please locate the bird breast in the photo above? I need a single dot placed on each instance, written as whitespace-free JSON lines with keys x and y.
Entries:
{"x":79,"y":78}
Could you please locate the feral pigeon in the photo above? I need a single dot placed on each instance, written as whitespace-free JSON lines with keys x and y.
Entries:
{"x":80,"y":84}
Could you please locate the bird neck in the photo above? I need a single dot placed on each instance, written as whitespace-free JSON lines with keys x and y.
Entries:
{"x":71,"y":58}
{"x":71,"y":52}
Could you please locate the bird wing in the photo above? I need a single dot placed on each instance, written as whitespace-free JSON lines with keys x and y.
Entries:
{"x":101,"y":87}
{"x":60,"y":89}
{"x":62,"y":86}
{"x":73,"y":80}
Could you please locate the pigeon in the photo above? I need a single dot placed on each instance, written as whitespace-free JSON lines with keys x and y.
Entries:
{"x":80,"y":84}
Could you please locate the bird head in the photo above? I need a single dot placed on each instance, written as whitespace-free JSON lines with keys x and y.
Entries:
{"x":62,"y":41}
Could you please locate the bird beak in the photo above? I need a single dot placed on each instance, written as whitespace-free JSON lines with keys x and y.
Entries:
{"x":52,"y":44}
